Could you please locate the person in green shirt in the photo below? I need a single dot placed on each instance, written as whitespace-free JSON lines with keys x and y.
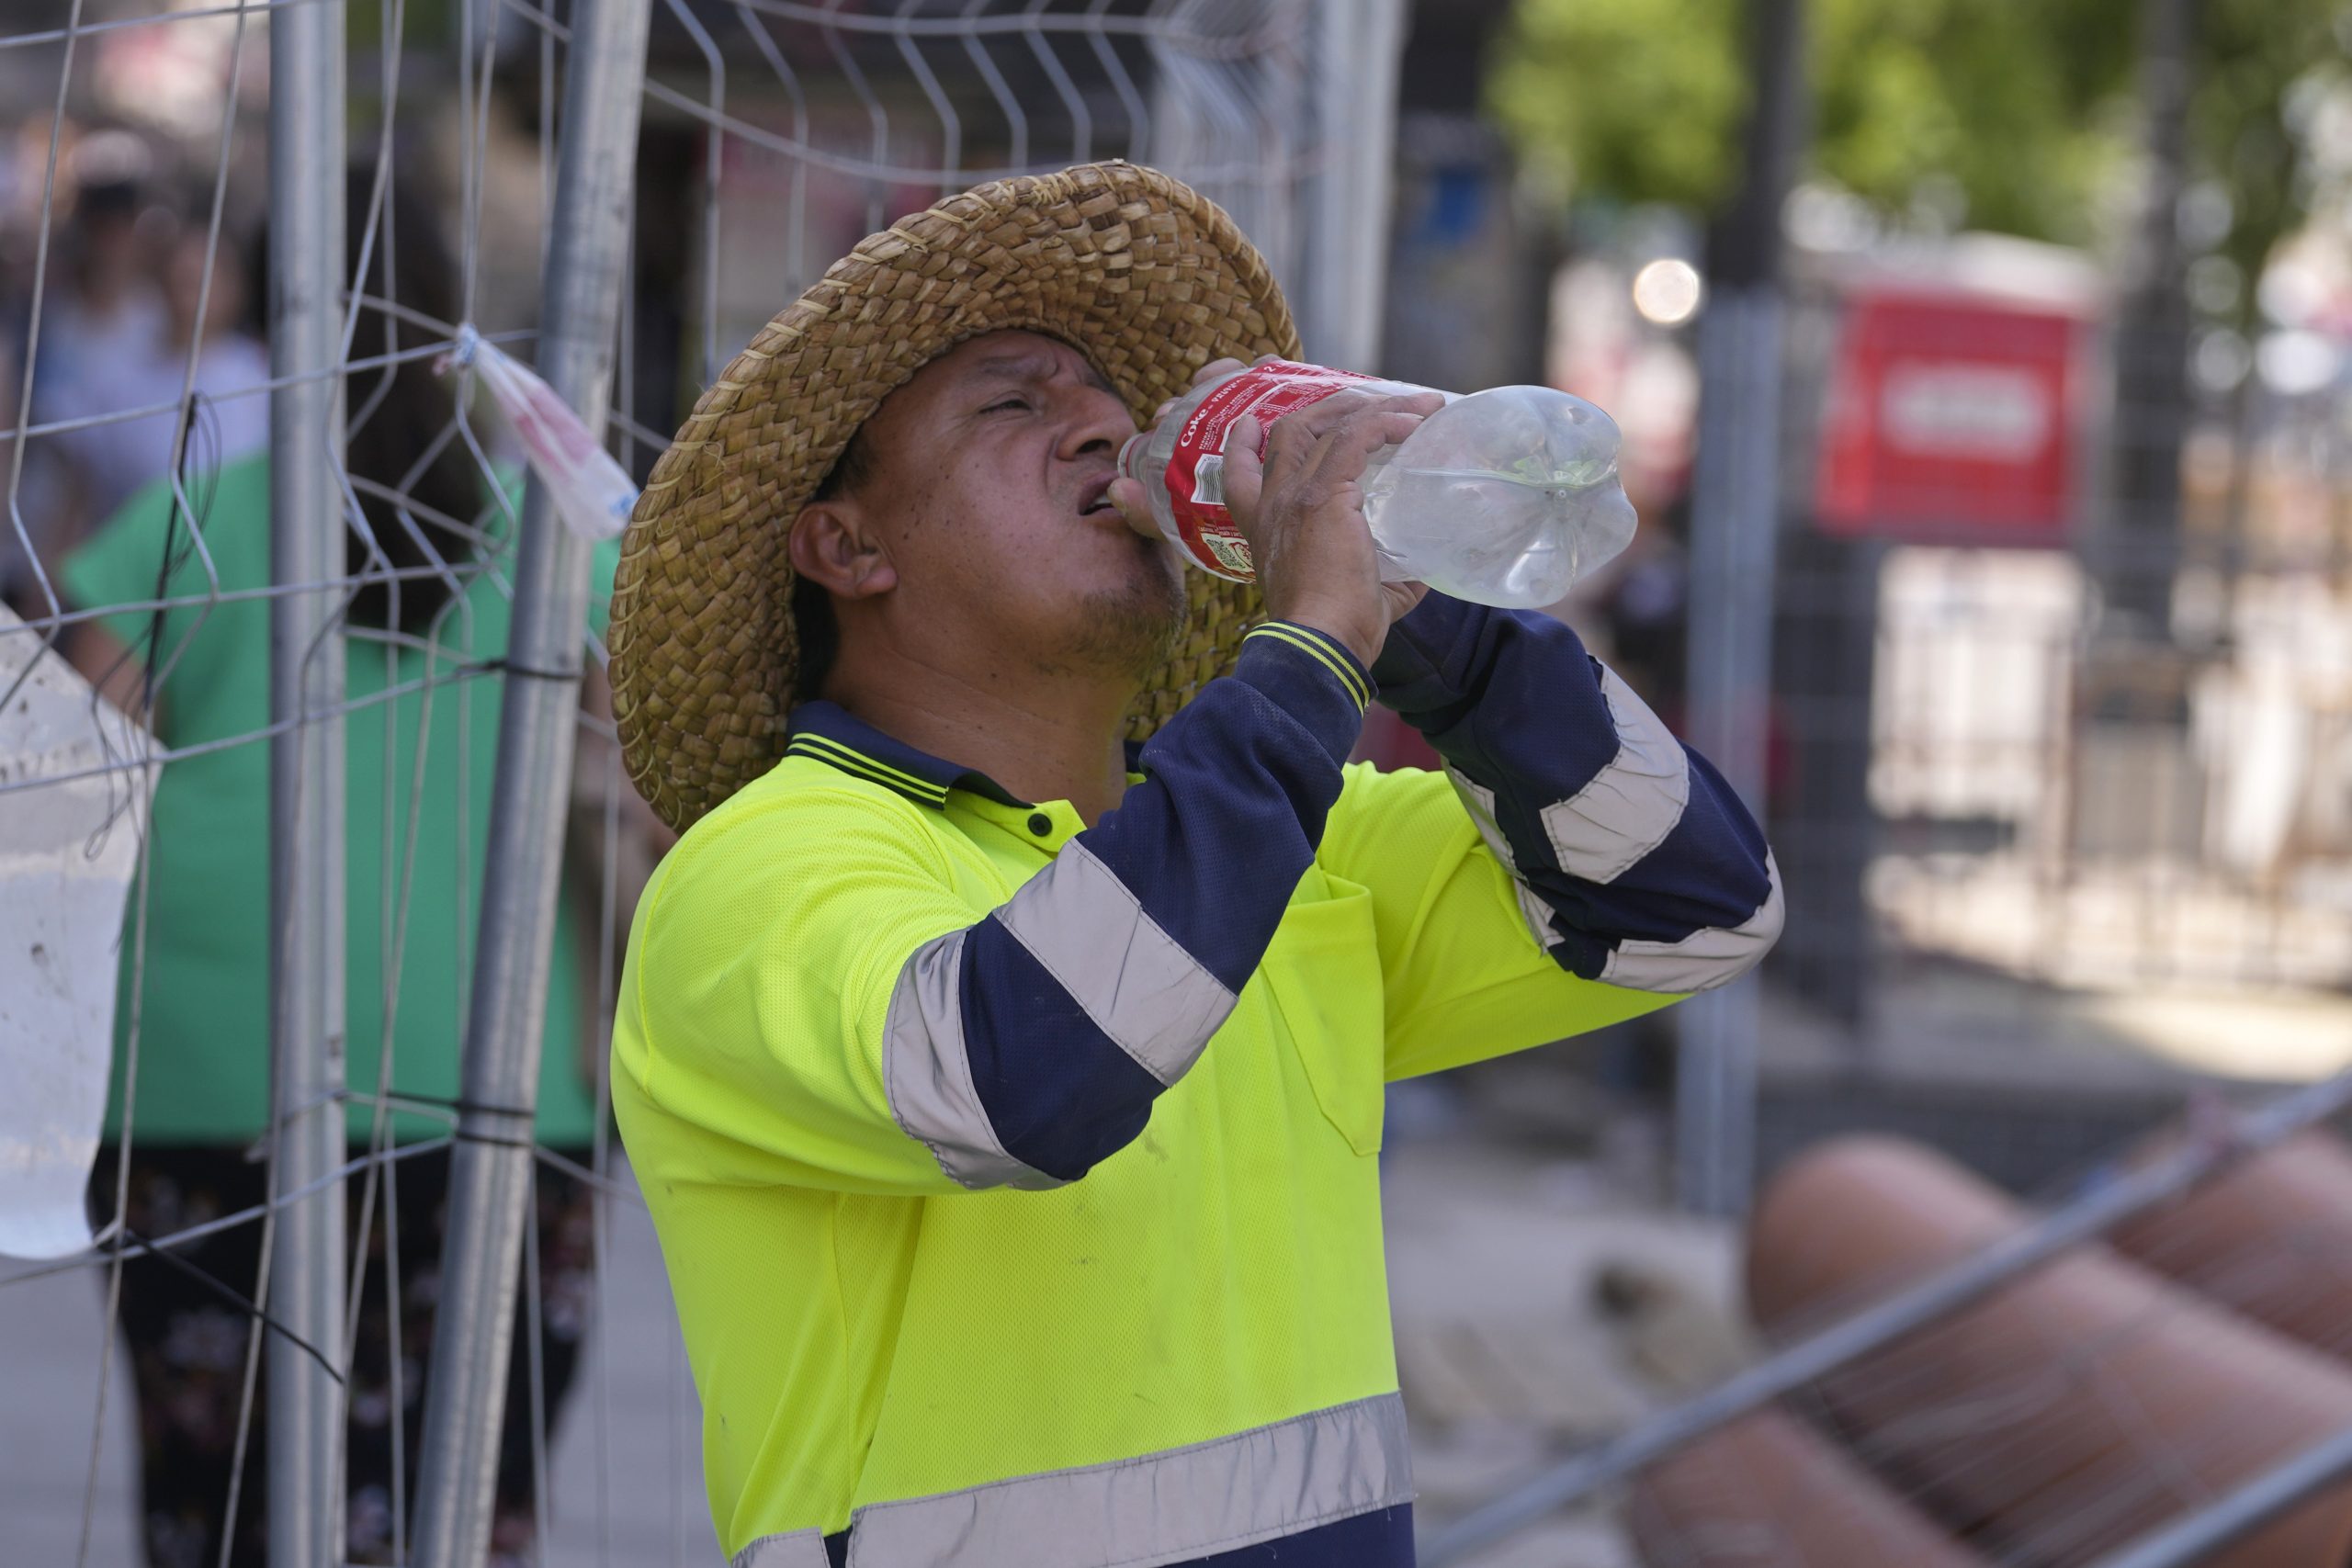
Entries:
{"x":421,"y":642}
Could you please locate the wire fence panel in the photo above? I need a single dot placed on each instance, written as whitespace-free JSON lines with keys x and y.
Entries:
{"x":150,"y":275}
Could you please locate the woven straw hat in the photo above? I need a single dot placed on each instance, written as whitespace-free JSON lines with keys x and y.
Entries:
{"x":1147,"y":278}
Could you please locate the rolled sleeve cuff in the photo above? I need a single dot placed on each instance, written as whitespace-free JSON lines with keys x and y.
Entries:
{"x":1312,"y":677}
{"x":1427,"y":668}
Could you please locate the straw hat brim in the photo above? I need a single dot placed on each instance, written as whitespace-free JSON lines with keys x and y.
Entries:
{"x":1145,"y":276}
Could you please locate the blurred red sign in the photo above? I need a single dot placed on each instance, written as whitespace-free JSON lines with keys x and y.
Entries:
{"x":1949,"y":419}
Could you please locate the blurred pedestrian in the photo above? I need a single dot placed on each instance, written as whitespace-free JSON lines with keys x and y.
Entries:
{"x":105,"y":301}
{"x":424,"y":626}
{"x":198,"y":348}
{"x":102,"y":311}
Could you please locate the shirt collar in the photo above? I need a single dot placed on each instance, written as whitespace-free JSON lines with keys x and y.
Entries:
{"x":826,"y":732}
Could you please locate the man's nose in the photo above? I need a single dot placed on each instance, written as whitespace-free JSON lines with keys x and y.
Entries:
{"x":1100,"y":423}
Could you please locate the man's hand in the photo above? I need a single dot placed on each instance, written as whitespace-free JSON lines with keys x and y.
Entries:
{"x":1127,"y":494}
{"x":1301,"y":507}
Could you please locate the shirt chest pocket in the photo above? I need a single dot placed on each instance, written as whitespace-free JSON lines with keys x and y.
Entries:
{"x":1324,"y":970}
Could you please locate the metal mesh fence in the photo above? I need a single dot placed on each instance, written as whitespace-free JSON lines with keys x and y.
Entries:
{"x":159,"y":203}
{"x":2002,"y":749}
{"x":2146,"y":1368}
{"x":2055,"y":783}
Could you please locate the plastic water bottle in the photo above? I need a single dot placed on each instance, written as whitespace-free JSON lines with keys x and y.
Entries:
{"x":1503,"y":497}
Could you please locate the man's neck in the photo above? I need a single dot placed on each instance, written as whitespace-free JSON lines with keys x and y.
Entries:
{"x":1043,"y":737}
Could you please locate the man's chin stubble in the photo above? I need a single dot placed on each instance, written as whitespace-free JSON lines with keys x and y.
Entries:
{"x":1131,"y":630}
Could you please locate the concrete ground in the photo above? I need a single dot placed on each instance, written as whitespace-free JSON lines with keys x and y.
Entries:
{"x":624,"y":1470}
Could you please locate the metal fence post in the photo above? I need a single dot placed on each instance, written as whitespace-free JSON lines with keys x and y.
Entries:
{"x":1358,"y":49}
{"x":1735,"y":523}
{"x":306,"y":779}
{"x":490,"y":1178}
{"x":1734,"y":516}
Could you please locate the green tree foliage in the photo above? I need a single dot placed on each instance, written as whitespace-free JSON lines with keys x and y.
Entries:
{"x":2025,"y":108}
{"x":2263,"y":66}
{"x":423,"y":24}
{"x":1634,"y":99}
{"x":2010,"y":100}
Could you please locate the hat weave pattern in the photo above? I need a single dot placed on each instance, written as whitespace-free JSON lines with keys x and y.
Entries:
{"x":1145,"y":276}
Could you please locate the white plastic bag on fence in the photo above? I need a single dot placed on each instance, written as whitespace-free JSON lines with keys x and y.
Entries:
{"x":591,"y":490}
{"x":67,"y":853}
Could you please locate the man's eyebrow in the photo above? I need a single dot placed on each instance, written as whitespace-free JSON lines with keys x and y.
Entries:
{"x":1035,"y":366}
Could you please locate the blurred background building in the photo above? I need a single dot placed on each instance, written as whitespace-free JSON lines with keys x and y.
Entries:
{"x":2053,"y":736}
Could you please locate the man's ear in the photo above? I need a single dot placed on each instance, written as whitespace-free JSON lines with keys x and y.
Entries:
{"x":832,"y":544}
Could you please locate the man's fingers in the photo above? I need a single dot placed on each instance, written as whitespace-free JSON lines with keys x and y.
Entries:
{"x":1127,"y":496}
{"x":1292,"y":446}
{"x":1332,"y":441}
{"x":1216,"y":367}
{"x":1345,"y":451}
{"x":1319,"y":418}
{"x":1245,"y":476}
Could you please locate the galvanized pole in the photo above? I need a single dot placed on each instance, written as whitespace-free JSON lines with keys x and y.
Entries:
{"x":489,"y":1180}
{"x":306,"y":779}
{"x":1359,"y":51}
{"x":1735,"y":521}
{"x":2151,"y":391}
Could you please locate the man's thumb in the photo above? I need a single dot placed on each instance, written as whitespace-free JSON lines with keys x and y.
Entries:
{"x":1245,"y":475}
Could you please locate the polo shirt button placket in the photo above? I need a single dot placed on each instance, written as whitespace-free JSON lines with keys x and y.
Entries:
{"x":1040,"y":824}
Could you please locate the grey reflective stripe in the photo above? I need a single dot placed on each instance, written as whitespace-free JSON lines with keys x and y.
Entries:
{"x":1130,"y":977}
{"x":928,"y":1076}
{"x":1625,"y":810}
{"x":801,"y":1548}
{"x":1704,"y":959}
{"x":1165,"y":1507}
{"x":1479,"y":801}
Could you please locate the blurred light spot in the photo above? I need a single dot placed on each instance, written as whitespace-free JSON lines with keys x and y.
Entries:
{"x":2214,"y":283}
{"x":1666,"y":291}
{"x":2220,"y":361}
{"x":2205,"y":215}
{"x":1822,"y":218}
{"x":2294,"y":364}
{"x":2292,"y":292}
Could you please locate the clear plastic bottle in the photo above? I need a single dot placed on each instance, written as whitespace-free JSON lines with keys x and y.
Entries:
{"x":1503,"y":497}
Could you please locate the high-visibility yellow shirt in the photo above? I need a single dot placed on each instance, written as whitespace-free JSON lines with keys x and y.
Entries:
{"x":1017,"y":1182}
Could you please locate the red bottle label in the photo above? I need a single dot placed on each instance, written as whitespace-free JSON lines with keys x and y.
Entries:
{"x":1205,"y":526}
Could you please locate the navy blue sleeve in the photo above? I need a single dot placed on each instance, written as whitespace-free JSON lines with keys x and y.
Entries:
{"x":1638,"y":864}
{"x":1098,"y":984}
